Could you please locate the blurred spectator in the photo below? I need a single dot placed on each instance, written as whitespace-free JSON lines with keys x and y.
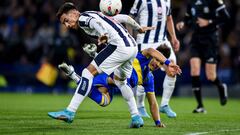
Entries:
{"x":30,"y":34}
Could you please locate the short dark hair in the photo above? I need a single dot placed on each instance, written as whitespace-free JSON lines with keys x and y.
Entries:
{"x":65,"y":8}
{"x":165,"y":50}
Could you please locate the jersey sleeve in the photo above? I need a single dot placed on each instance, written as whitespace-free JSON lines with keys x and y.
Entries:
{"x":122,"y":18}
{"x":221,"y":12}
{"x":87,"y":21}
{"x":188,"y":16}
{"x":84,"y":20}
{"x":136,"y":7}
{"x":169,"y":10}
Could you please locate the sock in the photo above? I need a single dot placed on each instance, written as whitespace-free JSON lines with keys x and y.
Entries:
{"x":82,"y":90}
{"x":218,"y":83}
{"x":157,"y":122}
{"x":196,"y":88}
{"x":140,"y":96}
{"x":75,"y":77}
{"x":127,"y":94}
{"x":168,"y":87}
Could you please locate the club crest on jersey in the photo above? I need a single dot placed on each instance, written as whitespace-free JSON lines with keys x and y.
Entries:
{"x":193,"y":11}
{"x":206,"y":10}
{"x":159,"y":12}
{"x":198,"y":2}
{"x":220,"y":1}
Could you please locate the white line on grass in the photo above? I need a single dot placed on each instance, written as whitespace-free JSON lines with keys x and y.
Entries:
{"x":219,"y":131}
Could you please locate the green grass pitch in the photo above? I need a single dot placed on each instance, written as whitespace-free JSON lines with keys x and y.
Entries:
{"x":26,"y":114}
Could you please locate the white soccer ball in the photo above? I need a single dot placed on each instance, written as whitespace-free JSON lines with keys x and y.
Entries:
{"x":110,"y":7}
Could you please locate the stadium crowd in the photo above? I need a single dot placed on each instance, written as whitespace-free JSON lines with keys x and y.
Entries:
{"x":31,"y":35}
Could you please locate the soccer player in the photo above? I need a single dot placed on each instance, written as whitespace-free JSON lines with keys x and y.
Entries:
{"x":152,"y":60}
{"x":156,"y":13}
{"x":116,"y":57}
{"x":205,"y":17}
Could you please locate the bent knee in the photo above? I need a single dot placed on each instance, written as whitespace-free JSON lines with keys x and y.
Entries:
{"x":105,"y":100}
{"x":211,"y":77}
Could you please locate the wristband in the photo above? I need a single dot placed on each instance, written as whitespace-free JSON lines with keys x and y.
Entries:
{"x":167,"y":62}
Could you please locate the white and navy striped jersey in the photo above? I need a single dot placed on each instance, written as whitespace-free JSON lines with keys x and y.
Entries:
{"x":152,"y":13}
{"x":96,"y":24}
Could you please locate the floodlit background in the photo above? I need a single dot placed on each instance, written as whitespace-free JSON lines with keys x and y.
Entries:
{"x":33,"y":43}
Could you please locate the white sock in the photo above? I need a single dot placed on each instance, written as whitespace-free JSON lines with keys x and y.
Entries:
{"x":140,"y":96}
{"x":74,"y":76}
{"x":168,"y":87}
{"x":82,"y":90}
{"x":127,"y":94}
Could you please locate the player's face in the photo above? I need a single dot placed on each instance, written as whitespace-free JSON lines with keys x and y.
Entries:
{"x":70,"y":19}
{"x":154,"y":64}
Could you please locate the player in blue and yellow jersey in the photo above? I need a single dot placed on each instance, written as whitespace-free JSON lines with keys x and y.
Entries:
{"x":145,"y":61}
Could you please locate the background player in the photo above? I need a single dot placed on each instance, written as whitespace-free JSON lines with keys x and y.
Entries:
{"x":157,"y":13}
{"x":205,"y":17}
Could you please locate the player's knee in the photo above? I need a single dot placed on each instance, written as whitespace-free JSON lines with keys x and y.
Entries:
{"x":211,"y":77}
{"x":116,"y":78}
{"x":119,"y":82}
{"x":126,"y":91}
{"x":86,"y":73}
{"x":169,"y":81}
{"x":105,"y":100}
{"x":195,"y":71}
{"x":170,"y":75}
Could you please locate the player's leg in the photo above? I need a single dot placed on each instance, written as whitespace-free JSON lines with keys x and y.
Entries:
{"x":120,"y":78}
{"x":212,"y":76}
{"x":195,"y":64}
{"x":81,"y":92}
{"x":101,"y":98}
{"x":98,"y":94}
{"x":128,"y":95}
{"x":69,"y":71}
{"x":168,"y":88}
{"x":211,"y":67}
{"x":140,"y":97}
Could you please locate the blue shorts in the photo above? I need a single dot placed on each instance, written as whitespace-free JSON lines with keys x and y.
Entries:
{"x":100,"y":98}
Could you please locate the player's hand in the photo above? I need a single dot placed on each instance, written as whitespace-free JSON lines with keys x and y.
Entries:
{"x":174,"y":69}
{"x":90,"y":49}
{"x":180,"y":26}
{"x":202,"y":22}
{"x":145,"y":28}
{"x":103,"y":39}
{"x":175,"y":44}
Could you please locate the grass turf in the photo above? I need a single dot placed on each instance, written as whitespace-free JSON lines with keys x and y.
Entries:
{"x":27,"y":114}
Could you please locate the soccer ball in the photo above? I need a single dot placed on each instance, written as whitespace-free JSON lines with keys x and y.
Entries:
{"x":110,"y":7}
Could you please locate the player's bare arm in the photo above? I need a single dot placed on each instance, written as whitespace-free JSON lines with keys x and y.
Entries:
{"x":150,"y":52}
{"x":122,"y":18}
{"x":171,"y":31}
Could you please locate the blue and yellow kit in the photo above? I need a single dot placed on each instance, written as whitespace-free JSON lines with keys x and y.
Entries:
{"x":102,"y":99}
{"x":141,"y":74}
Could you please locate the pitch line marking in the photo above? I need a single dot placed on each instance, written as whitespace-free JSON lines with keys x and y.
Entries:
{"x":219,"y":131}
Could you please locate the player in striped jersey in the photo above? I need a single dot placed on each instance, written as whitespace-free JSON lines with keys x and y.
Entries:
{"x":150,"y":60}
{"x":116,"y":57}
{"x":157,"y":13}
